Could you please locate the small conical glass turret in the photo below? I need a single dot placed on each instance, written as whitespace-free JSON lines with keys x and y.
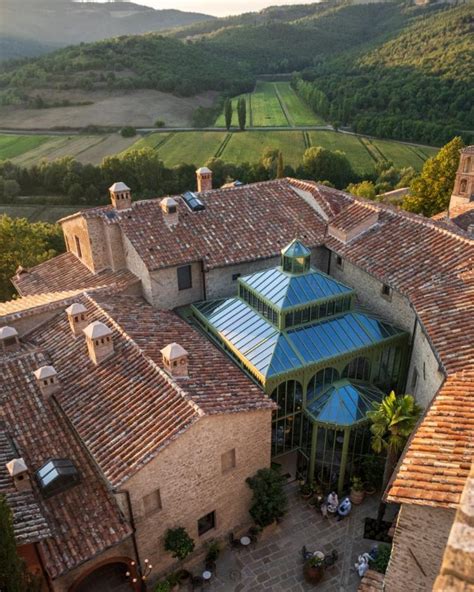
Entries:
{"x":295,"y":258}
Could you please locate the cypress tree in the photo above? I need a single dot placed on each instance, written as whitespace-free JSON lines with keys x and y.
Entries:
{"x":242,"y":112}
{"x":12,"y":573}
{"x":228,"y":113}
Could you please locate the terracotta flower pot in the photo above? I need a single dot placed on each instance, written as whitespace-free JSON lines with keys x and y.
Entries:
{"x":313,"y":575}
{"x":357,"y":497}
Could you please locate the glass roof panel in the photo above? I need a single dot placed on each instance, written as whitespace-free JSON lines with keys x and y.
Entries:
{"x":296,"y":249}
{"x":285,"y":291}
{"x":344,"y":403}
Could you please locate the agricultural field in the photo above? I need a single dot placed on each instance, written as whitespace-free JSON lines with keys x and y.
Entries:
{"x":197,"y":147}
{"x":298,"y":112}
{"x":11,"y":146}
{"x":37,"y":213}
{"x":29,"y":150}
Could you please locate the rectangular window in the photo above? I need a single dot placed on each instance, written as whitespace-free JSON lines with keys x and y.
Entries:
{"x":339,"y":262}
{"x":235,"y":276}
{"x":78,"y":247}
{"x":206,"y":523}
{"x":184,"y":278}
{"x":386,"y":291}
{"x":152,"y":502}
{"x":228,"y":460}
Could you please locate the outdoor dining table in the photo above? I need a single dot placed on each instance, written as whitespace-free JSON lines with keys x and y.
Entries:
{"x":245,"y":541}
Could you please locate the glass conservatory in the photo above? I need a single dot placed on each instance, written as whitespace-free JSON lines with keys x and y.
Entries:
{"x":297,"y":332}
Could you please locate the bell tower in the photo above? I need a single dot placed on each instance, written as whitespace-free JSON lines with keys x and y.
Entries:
{"x":462,"y":198}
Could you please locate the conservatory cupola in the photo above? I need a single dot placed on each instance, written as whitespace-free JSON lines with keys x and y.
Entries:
{"x":295,"y":257}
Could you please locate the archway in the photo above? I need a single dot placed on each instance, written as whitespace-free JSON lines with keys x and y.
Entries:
{"x":357,"y":369}
{"x":106,"y":576}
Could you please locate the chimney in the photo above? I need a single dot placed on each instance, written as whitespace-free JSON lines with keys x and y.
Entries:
{"x":175,"y":360}
{"x":120,"y":196}
{"x":77,"y":316}
{"x":47,"y":380}
{"x":169,"y":207}
{"x":99,"y":341}
{"x":9,"y":340}
{"x":204,"y":179}
{"x":19,"y":473}
{"x":462,"y":198}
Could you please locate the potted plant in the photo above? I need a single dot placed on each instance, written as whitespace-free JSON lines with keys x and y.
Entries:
{"x":369,"y":488}
{"x":213,"y":551}
{"x":183,"y":576}
{"x":357,"y":491}
{"x":178,"y":542}
{"x":269,"y":501}
{"x":313,"y":570}
{"x":173,"y":580}
{"x":306,"y":490}
{"x":163,"y":586}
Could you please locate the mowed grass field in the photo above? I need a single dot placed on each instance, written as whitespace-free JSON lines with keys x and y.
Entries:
{"x":37,"y":213}
{"x":29,"y":150}
{"x":273,"y":104}
{"x":237,"y":147}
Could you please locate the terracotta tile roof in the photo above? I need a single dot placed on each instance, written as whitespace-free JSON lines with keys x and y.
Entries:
{"x":215,"y":384}
{"x":438,"y":457}
{"x":353,"y":215}
{"x":127,"y":408}
{"x":371,"y":582}
{"x":29,"y":523}
{"x":238,"y":224}
{"x":66,"y":272}
{"x":465,"y":220}
{"x":85,"y":519}
{"x":330,"y":200}
{"x":35,"y":303}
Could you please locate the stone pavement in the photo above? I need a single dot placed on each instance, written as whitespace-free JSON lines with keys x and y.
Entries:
{"x":275,"y":564}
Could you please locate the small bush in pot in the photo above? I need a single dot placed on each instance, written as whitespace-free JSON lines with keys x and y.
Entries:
{"x":313,"y":570}
{"x":306,"y":490}
{"x":357,"y":491}
{"x":178,"y":542}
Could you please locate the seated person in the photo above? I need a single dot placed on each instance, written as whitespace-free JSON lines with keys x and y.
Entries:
{"x":332,"y":502}
{"x":344,"y":508}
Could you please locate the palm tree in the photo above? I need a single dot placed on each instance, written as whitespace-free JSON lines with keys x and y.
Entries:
{"x":393,"y":421}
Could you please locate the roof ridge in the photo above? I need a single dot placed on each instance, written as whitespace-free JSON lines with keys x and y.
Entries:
{"x":173,"y":383}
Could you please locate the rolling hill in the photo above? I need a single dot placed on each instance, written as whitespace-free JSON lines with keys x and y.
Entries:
{"x":29,"y":31}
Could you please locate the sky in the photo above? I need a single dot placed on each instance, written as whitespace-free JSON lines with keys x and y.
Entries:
{"x":218,"y":8}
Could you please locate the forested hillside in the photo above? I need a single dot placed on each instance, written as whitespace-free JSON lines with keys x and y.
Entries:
{"x":416,"y":86}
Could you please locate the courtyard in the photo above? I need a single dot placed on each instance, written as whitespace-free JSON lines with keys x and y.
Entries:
{"x":275,"y":563}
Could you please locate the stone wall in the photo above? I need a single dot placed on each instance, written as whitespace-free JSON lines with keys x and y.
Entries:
{"x":418,"y":545}
{"x":93,"y":247}
{"x":164,"y":287}
{"x":397,"y":310}
{"x":189,"y":476}
{"x":135,"y":264}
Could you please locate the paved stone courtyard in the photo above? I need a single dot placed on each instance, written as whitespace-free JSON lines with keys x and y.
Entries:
{"x":275,"y":563}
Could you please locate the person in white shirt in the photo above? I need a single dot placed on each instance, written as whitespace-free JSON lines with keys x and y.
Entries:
{"x":344,"y":508}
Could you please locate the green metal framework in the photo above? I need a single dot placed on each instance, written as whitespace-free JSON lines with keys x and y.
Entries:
{"x":329,"y":355}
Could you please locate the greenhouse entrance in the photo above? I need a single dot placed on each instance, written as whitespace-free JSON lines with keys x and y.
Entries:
{"x":297,"y":332}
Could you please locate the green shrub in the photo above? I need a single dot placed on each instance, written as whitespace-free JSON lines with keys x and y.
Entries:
{"x":383,"y":557}
{"x":164,"y":586}
{"x":128,"y":132}
{"x":178,"y":542}
{"x":269,"y":501}
{"x":159,"y":123}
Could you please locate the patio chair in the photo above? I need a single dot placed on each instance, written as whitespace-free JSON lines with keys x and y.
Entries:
{"x":330,"y":559}
{"x":234,"y":543}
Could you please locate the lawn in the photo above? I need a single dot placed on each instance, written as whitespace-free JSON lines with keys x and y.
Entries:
{"x":402,"y":154}
{"x":11,"y":146}
{"x":357,"y":154}
{"x":38,"y":213}
{"x":190,"y":147}
{"x":265,"y":106}
{"x":299,"y":113}
{"x":248,"y":146}
{"x":150,"y":141}
{"x":220,"y":121}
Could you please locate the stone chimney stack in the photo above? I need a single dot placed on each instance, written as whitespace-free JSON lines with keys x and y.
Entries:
{"x":47,"y":380}
{"x":9,"y":340}
{"x":175,"y":360}
{"x":204,"y":179}
{"x":99,"y":342}
{"x":77,"y":316}
{"x":120,"y":196}
{"x":169,"y":207}
{"x":19,"y":473}
{"x":462,"y":198}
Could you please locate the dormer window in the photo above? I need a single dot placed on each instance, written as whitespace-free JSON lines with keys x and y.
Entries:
{"x":57,"y":475}
{"x":295,"y":258}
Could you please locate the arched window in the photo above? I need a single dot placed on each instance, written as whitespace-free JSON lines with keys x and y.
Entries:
{"x":463,"y":186}
{"x":358,"y":368}
{"x":320,"y":381}
{"x":467,"y":165}
{"x":289,"y":397}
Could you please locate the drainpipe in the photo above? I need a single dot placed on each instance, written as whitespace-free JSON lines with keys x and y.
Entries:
{"x":204,"y":289}
{"x":44,"y":571}
{"x":329,"y":263}
{"x":134,"y":538}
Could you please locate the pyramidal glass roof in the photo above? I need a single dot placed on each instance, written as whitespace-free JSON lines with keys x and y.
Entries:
{"x":296,"y":249}
{"x":267,"y":352}
{"x":284,"y":290}
{"x":344,"y":403}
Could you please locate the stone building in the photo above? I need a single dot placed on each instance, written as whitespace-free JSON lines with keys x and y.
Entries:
{"x":156,"y":427}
